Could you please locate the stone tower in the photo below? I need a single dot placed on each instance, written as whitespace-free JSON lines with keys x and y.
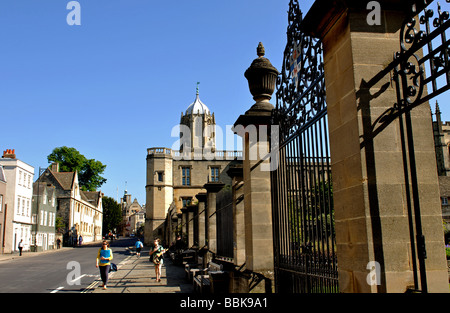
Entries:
{"x":159,"y":191}
{"x":197,"y":136}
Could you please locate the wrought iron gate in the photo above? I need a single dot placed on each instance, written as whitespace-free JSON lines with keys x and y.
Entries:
{"x":302,"y":199}
{"x":409,"y":74}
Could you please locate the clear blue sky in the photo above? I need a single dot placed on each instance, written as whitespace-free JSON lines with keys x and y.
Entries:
{"x":117,"y":84}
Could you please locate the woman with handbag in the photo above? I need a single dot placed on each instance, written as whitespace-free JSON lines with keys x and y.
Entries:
{"x":103,"y":262}
{"x":156,"y":255}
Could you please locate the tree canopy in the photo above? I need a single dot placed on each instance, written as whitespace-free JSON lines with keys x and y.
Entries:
{"x":112,"y":214}
{"x":89,"y":170}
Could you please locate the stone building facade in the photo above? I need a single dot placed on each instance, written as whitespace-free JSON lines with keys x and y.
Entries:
{"x":132,"y":214}
{"x":5,"y":219}
{"x":81,"y":211}
{"x":19,"y":176}
{"x":441,"y":131}
{"x":175,"y":177}
{"x":44,"y":216}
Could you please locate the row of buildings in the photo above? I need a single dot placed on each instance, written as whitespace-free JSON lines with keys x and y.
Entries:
{"x":133,"y":216}
{"x":41,"y":212}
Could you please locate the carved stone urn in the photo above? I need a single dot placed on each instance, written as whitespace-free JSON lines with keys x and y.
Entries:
{"x":261,"y":77}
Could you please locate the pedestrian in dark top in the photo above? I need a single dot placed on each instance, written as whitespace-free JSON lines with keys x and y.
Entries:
{"x":20,"y":247}
{"x":156,"y":256}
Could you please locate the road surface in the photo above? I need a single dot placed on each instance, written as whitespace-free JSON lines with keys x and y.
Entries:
{"x":64,"y":271}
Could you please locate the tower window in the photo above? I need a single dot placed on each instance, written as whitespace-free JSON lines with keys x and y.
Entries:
{"x":214,"y":174}
{"x":186,"y":201}
{"x":186,"y":176}
{"x":160,"y":176}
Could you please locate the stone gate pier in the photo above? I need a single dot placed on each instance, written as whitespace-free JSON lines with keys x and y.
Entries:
{"x":373,"y":230}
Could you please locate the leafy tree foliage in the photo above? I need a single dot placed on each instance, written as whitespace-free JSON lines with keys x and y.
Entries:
{"x":112,"y":214}
{"x":71,"y":160}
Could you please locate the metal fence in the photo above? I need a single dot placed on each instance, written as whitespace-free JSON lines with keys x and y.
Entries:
{"x":302,"y":198}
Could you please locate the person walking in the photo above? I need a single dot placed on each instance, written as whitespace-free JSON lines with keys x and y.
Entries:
{"x":104,"y":257}
{"x":20,"y":247}
{"x":58,"y":243}
{"x":156,"y":256}
{"x":138,"y":246}
{"x":80,"y":240}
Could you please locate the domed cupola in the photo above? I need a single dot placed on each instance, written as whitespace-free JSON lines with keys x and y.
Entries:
{"x":197,"y":107}
{"x":201,"y":123}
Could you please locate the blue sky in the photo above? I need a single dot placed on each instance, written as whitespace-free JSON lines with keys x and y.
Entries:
{"x":117,"y":84}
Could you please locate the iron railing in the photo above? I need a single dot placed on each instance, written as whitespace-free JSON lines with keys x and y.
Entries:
{"x":302,"y":200}
{"x":423,"y":45}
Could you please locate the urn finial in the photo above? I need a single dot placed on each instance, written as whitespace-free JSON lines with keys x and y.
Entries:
{"x":261,"y":76}
{"x":260,"y":51}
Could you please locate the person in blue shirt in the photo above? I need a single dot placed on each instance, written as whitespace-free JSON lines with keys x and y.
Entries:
{"x":138,"y":246}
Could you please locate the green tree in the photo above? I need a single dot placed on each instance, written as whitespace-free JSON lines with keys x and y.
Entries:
{"x":60,"y":225}
{"x":112,"y":214}
{"x":89,"y":170}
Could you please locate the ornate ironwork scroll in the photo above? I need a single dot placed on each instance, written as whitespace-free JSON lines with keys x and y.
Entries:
{"x":411,"y":65}
{"x":301,"y":86}
{"x":302,"y":201}
{"x":421,"y":30}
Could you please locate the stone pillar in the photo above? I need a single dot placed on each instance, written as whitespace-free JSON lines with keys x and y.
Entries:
{"x":148,"y":232}
{"x":236,"y":173}
{"x":173,"y":223}
{"x":211,"y":232}
{"x":190,"y":218}
{"x":196,"y":234}
{"x":261,"y":76}
{"x":168,"y":230}
{"x":201,"y":197}
{"x":179,"y":231}
{"x":185,"y":227}
{"x":366,"y":153}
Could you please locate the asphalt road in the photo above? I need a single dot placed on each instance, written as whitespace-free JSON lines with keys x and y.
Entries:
{"x":65,"y":271}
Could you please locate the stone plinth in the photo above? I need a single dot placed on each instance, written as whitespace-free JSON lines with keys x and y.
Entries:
{"x":211,"y":232}
{"x":201,"y":197}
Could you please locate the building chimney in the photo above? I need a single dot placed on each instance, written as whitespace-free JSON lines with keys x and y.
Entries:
{"x":9,"y":154}
{"x":55,"y":167}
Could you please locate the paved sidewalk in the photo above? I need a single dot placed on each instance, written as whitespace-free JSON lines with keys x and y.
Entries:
{"x":137,"y":275}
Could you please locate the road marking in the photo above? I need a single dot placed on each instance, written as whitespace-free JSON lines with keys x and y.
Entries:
{"x":74,"y":280}
{"x":91,"y":286}
{"x":57,"y":289}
